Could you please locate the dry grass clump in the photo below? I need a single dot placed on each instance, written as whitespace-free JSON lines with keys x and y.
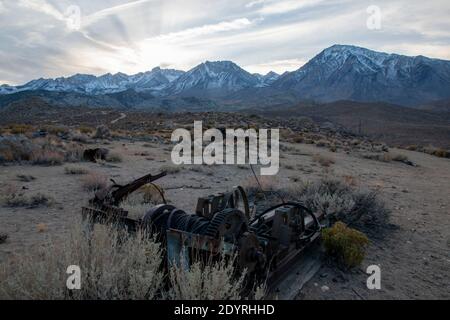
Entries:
{"x":323,"y":160}
{"x":20,"y":128}
{"x":16,"y":148}
{"x":347,"y":245}
{"x":113,"y":157}
{"x":56,"y":130}
{"x":73,"y":152}
{"x":102,"y":132}
{"x":79,"y":137}
{"x":25,"y":177}
{"x":438,"y":152}
{"x":171,"y":169}
{"x":322,"y":143}
{"x":40,"y":151}
{"x":86,"y":129}
{"x":266,"y":183}
{"x":383,"y":157}
{"x":388,"y":157}
{"x":138,"y":203}
{"x":135,"y":206}
{"x":41,"y":227}
{"x":47,"y":157}
{"x":113,"y":264}
{"x":75,"y":170}
{"x":11,"y":197}
{"x":94,"y":181}
{"x":151,"y":193}
{"x":206,"y":281}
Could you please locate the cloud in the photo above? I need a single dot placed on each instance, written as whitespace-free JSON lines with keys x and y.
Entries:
{"x":42,"y":6}
{"x":254,"y":3}
{"x":111,"y":11}
{"x":261,"y":35}
{"x":204,"y":30}
{"x":2,"y":7}
{"x":283,"y":6}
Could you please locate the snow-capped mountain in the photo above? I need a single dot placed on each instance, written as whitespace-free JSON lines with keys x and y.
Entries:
{"x":155,"y":79}
{"x":340,"y":72}
{"x":354,"y":73}
{"x":225,"y":76}
{"x":266,"y":80}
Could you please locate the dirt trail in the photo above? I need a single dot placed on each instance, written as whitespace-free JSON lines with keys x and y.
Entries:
{"x":122,"y":116}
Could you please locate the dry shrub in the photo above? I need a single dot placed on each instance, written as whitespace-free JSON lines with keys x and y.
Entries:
{"x":266,"y":183}
{"x":41,"y":227}
{"x":113,"y":264}
{"x":346,"y":244}
{"x":323,"y":160}
{"x":135,"y":206}
{"x":342,"y":202}
{"x":350,"y":180}
{"x":388,"y":157}
{"x":47,"y":157}
{"x":94,"y":181}
{"x":171,"y":169}
{"x":113,"y":157}
{"x":152,"y":194}
{"x":16,"y":148}
{"x":86,"y":129}
{"x":79,"y":137}
{"x":25,"y":177}
{"x":75,"y":170}
{"x":56,"y":130}
{"x":12,"y":197}
{"x":102,"y":132}
{"x":412,"y":147}
{"x":138,"y":203}
{"x":73,"y":153}
{"x":383,"y":157}
{"x":210,"y":281}
{"x":438,"y":152}
{"x":323,"y":143}
{"x":20,"y":128}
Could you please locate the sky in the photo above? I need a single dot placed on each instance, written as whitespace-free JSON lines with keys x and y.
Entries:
{"x":52,"y":38}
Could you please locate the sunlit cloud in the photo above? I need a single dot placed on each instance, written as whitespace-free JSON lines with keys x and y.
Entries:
{"x":283,"y":6}
{"x":204,"y":30}
{"x":259,"y":35}
{"x":43,"y":7}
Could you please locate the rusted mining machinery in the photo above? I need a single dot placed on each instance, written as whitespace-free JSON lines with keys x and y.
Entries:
{"x":264,"y":244}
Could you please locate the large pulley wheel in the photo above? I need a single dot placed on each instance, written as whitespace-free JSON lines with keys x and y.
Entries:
{"x":228,"y":224}
{"x":240,"y":201}
{"x":156,"y":218}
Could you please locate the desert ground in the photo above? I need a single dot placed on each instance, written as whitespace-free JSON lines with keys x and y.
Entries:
{"x":413,"y":251}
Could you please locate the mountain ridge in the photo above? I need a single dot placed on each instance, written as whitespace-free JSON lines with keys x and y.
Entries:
{"x":340,"y":72}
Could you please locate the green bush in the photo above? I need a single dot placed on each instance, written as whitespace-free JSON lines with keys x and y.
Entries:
{"x":346,"y":244}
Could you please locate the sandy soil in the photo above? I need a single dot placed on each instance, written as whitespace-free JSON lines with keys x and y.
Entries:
{"x":414,"y":257}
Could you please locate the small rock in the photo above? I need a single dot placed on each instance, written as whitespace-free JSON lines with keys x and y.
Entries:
{"x":324,"y":288}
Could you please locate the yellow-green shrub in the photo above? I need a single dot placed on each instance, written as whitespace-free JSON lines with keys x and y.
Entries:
{"x":346,"y":244}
